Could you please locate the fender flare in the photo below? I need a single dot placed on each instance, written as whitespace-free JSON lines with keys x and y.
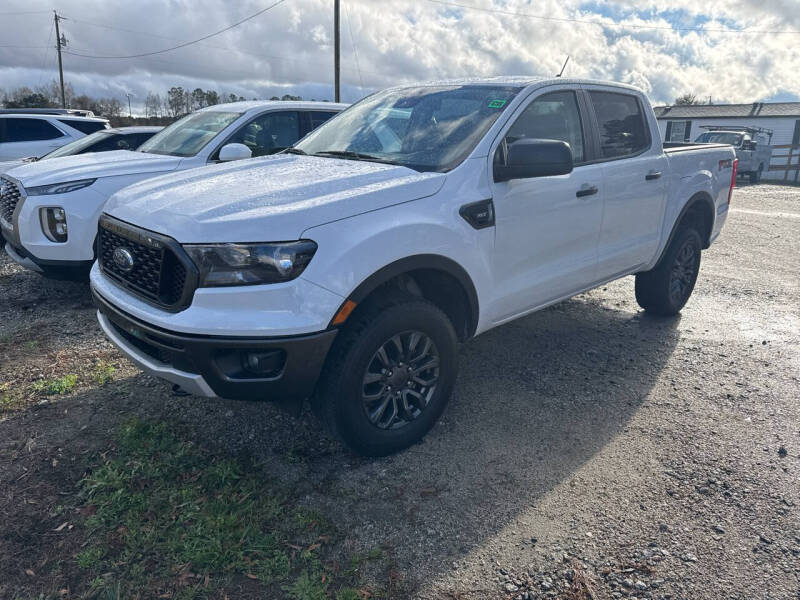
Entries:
{"x":416,"y":262}
{"x":698,"y":198}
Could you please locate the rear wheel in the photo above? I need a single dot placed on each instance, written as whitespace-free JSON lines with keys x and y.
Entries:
{"x":388,"y":377}
{"x":755,"y":176}
{"x":666,"y":289}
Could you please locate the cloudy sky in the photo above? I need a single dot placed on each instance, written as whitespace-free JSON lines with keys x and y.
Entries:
{"x":667,"y":47}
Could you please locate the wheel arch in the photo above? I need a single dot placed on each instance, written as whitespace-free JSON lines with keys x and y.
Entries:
{"x":434,"y":277}
{"x":699,"y":210}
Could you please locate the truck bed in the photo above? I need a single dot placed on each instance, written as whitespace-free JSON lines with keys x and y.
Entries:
{"x":673,"y":147}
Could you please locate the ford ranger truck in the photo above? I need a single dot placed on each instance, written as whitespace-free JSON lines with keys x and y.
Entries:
{"x":49,"y":209}
{"x":348,"y":268}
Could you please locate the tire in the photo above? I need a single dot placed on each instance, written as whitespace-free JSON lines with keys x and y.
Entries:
{"x":356,"y":368}
{"x":666,"y":289}
{"x":755,"y":176}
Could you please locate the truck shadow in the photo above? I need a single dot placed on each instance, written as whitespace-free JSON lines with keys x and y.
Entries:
{"x":535,"y":400}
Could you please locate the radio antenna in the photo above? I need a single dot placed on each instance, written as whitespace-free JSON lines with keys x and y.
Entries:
{"x":561,"y":72}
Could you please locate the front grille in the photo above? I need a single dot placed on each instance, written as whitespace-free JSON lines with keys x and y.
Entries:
{"x":9,"y":198}
{"x":155,"y":271}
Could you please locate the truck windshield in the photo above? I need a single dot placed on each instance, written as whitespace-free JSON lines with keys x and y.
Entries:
{"x":427,"y":128}
{"x":189,"y":135}
{"x":720,"y":137}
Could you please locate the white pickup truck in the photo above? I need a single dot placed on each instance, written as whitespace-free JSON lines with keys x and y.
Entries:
{"x":49,"y":209}
{"x":348,"y":268}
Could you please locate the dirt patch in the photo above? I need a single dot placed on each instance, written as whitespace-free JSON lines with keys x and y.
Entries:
{"x":588,"y":451}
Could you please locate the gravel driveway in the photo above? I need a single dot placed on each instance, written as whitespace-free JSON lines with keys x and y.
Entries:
{"x":589,"y":451}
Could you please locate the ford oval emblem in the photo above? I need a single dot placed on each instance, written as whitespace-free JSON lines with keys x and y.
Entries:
{"x":123,"y":258}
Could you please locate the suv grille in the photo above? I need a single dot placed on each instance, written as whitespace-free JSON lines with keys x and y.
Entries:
{"x":149,"y":265}
{"x":9,"y":198}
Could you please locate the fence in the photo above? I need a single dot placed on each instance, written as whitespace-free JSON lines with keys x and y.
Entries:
{"x":788,"y":162}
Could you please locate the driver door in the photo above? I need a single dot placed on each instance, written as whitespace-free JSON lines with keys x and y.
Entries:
{"x":547,"y":228}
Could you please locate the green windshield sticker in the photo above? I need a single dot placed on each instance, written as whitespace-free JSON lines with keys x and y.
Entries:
{"x":497,"y":103}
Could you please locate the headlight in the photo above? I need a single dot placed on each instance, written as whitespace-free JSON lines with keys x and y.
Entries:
{"x":59,"y":188}
{"x":250,"y":264}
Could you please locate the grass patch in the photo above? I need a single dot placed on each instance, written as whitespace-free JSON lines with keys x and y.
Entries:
{"x":168,"y":518}
{"x":103,"y":372}
{"x":57,"y":386}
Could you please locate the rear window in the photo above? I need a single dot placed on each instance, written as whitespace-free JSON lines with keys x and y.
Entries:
{"x":86,"y":127}
{"x":720,"y":137}
{"x":621,"y":122}
{"x":29,"y":130}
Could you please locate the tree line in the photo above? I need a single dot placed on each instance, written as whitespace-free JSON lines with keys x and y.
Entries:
{"x":161,"y":108}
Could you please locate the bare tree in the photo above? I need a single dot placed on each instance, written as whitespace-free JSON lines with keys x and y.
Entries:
{"x":176,"y":103}
{"x":686,"y":100}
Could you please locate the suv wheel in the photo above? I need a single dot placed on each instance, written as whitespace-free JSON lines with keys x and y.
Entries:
{"x":665,"y":289}
{"x":388,"y":377}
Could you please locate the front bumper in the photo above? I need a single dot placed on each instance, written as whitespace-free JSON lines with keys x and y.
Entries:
{"x":214,"y":366}
{"x":82,"y":207}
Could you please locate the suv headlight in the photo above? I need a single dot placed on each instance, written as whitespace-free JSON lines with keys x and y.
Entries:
{"x":59,"y":188}
{"x":250,"y":264}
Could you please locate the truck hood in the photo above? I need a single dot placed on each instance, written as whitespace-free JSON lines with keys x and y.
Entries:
{"x":266,"y":199}
{"x":7,"y":165}
{"x":92,"y":165}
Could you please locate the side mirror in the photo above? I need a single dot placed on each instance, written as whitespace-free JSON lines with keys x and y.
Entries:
{"x":234,"y":151}
{"x":534,"y":158}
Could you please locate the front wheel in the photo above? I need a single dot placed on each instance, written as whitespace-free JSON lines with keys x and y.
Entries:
{"x":666,"y":289}
{"x":388,"y":377}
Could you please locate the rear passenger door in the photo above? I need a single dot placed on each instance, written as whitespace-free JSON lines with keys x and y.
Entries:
{"x":634,"y":178}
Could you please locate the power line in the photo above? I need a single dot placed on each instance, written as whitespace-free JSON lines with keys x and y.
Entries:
{"x":353,"y":43}
{"x":205,"y":37}
{"x":25,"y":12}
{"x":601,"y":24}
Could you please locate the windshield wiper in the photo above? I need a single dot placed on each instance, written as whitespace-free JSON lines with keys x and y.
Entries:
{"x":292,"y":150}
{"x":350,"y":154}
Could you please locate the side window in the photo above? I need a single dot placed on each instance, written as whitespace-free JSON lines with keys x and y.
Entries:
{"x":137,"y":139}
{"x":30,"y":130}
{"x":318,"y":117}
{"x":269,"y":133}
{"x":86,"y":127}
{"x":553,"y":116}
{"x":678,"y":131}
{"x":622,"y":126}
{"x":109,"y":143}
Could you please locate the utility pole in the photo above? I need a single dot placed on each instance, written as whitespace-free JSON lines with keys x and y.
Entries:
{"x":336,"y":48}
{"x":59,"y":43}
{"x":128,"y":94}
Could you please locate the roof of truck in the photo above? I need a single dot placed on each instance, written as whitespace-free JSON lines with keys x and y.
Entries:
{"x":517,"y":81}
{"x":723,"y":111}
{"x":283,"y":104}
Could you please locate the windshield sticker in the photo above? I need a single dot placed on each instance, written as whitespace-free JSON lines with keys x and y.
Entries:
{"x":497,"y":103}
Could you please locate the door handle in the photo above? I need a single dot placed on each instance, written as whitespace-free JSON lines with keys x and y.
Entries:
{"x":652,"y":175}
{"x":588,"y":190}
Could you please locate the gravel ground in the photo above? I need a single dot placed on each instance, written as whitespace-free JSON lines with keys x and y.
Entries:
{"x":589,"y":451}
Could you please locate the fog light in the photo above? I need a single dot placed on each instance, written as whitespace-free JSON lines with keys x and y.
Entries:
{"x":54,"y":223}
{"x":266,"y":364}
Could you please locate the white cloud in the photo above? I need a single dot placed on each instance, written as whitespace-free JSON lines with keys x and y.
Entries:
{"x":289,"y":49}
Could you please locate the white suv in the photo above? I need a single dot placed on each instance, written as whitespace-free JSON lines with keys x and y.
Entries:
{"x":49,"y":209}
{"x":24,"y":135}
